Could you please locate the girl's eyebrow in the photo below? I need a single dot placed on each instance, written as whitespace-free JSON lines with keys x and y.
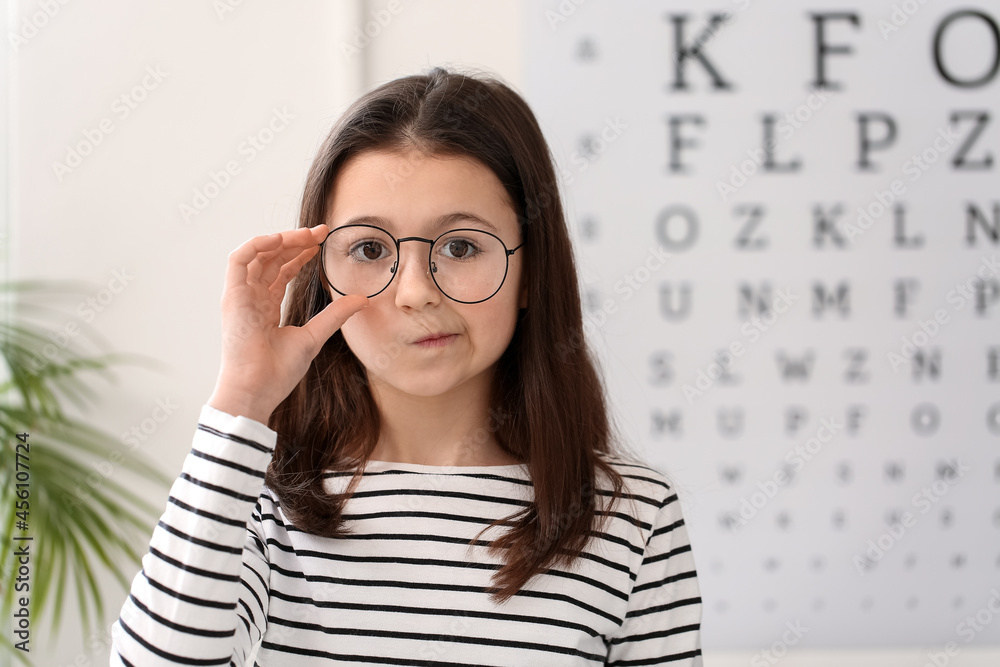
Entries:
{"x":447,"y":219}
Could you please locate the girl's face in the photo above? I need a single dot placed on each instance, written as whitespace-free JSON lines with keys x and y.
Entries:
{"x":407,"y":194}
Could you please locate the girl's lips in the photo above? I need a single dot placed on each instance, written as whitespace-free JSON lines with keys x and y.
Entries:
{"x":436,"y":341}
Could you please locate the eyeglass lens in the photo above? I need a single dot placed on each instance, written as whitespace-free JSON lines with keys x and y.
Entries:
{"x":466,"y":264}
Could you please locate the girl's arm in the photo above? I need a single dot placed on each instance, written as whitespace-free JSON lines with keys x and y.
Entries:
{"x":663,"y":621}
{"x":201,"y":597}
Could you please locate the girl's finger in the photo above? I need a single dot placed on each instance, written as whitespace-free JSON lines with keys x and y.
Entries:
{"x":253,"y":255}
{"x":275,"y":265}
{"x":326,"y":322}
{"x":236,"y":269}
{"x":295,"y":239}
{"x":291,"y":269}
{"x":274,"y":261}
{"x":320,"y":232}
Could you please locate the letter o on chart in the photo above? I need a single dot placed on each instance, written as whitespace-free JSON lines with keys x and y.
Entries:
{"x":688,"y":219}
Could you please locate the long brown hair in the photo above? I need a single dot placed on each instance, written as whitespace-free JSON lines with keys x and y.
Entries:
{"x":547,"y":392}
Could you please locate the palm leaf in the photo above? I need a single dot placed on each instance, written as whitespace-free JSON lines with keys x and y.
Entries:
{"x":83,"y":524}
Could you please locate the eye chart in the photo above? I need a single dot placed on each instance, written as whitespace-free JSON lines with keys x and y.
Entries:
{"x":787,"y":221}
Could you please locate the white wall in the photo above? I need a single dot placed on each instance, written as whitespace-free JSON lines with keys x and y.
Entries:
{"x":119,"y":209}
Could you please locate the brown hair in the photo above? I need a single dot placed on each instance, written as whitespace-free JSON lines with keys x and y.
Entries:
{"x":547,"y":392}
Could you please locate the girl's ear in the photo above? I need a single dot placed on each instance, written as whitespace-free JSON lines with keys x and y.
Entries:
{"x":523,"y":298}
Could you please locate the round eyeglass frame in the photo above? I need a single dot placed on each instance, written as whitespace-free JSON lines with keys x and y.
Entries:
{"x":430,"y":264}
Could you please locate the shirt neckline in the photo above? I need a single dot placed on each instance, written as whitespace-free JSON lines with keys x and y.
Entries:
{"x":375,"y":465}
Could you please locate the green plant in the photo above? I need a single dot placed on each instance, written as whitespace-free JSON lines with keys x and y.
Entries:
{"x":79,"y":524}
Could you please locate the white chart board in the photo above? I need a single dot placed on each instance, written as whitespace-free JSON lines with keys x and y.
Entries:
{"x":806,"y":338}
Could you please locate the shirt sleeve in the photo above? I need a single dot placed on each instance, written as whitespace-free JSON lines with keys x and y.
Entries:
{"x":663,"y":621}
{"x":201,"y":596}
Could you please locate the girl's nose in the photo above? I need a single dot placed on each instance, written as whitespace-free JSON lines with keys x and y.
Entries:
{"x":415,"y":287}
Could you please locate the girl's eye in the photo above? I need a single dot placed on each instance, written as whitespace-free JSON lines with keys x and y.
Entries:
{"x":459,"y":249}
{"x":368,"y":251}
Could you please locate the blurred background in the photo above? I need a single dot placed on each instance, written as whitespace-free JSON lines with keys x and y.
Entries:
{"x":787,"y":222}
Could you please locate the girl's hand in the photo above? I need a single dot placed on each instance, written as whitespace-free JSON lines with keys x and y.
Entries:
{"x":262,"y":362}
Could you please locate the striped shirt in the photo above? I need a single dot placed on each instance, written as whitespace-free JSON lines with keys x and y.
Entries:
{"x":227,"y":574}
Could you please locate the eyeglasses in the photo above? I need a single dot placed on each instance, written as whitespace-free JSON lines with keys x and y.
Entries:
{"x":467,"y":265}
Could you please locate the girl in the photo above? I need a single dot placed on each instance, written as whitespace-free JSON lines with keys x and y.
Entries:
{"x":417,"y":467}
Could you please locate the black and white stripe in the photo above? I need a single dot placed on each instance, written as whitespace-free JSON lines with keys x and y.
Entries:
{"x":227,"y":570}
